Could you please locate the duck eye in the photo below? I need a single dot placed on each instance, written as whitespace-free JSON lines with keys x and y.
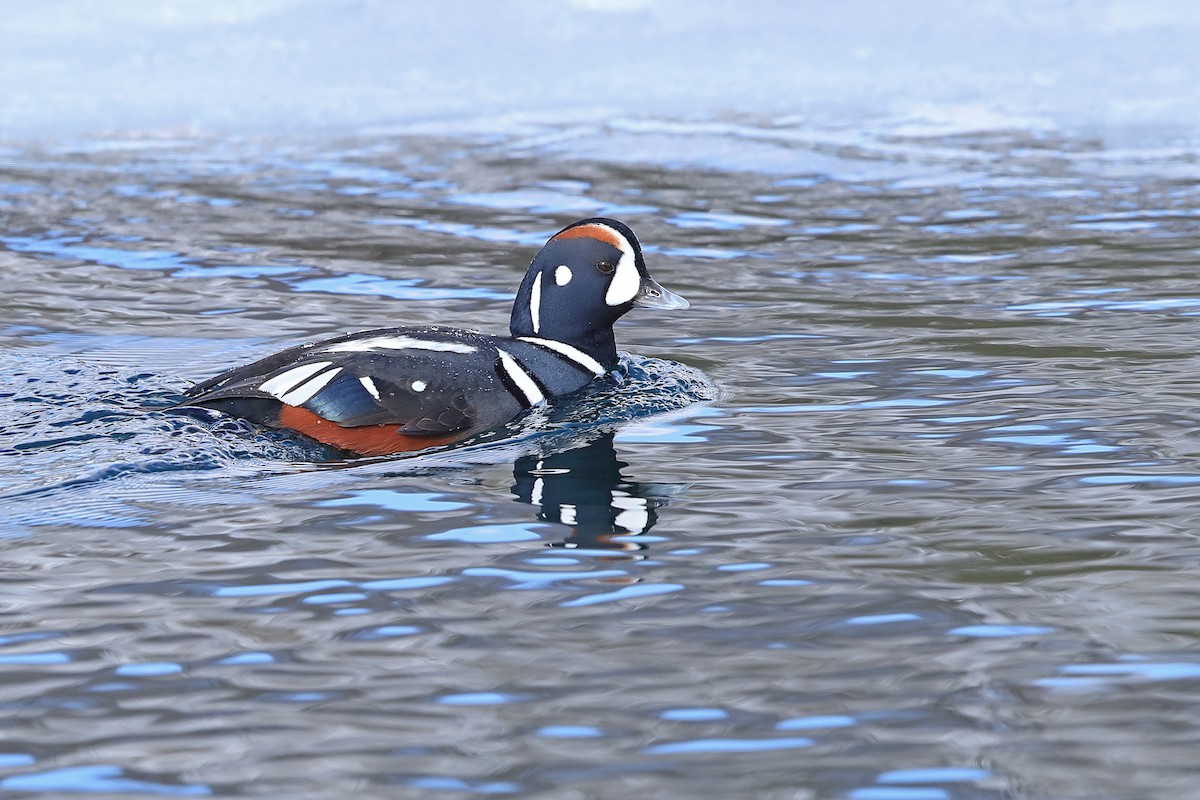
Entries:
{"x":606,"y":267}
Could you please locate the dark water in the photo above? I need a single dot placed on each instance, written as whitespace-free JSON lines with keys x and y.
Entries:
{"x":904,"y":508}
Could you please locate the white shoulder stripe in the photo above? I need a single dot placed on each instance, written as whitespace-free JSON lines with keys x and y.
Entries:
{"x":397,"y":343}
{"x":302,"y":393}
{"x":533,"y":395}
{"x":573,"y":353}
{"x":290,"y":379}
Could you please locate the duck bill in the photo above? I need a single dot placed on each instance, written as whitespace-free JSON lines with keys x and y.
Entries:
{"x":652,"y":295}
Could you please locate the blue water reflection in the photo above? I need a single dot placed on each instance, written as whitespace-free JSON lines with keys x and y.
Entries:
{"x":907,"y":498}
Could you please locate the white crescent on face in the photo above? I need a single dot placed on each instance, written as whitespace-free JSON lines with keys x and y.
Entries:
{"x":626,"y":282}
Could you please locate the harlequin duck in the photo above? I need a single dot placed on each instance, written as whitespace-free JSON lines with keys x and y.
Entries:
{"x":393,"y":390}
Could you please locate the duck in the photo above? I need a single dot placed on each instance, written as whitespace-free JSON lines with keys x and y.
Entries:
{"x":398,"y":390}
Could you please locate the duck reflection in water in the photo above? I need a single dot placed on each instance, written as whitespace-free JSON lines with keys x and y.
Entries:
{"x":584,"y":489}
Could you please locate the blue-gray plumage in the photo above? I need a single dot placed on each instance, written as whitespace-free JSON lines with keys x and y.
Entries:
{"x":397,"y":389}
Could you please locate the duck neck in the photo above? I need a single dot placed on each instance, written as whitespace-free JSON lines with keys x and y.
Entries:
{"x":593,"y":337}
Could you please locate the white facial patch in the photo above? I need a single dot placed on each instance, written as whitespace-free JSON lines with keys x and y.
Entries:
{"x":535,"y":302}
{"x":562,"y":275}
{"x":533,"y":395}
{"x":626,"y":282}
{"x":397,"y":343}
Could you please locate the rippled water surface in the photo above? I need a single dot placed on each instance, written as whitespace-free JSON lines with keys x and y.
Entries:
{"x":905,"y":507}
